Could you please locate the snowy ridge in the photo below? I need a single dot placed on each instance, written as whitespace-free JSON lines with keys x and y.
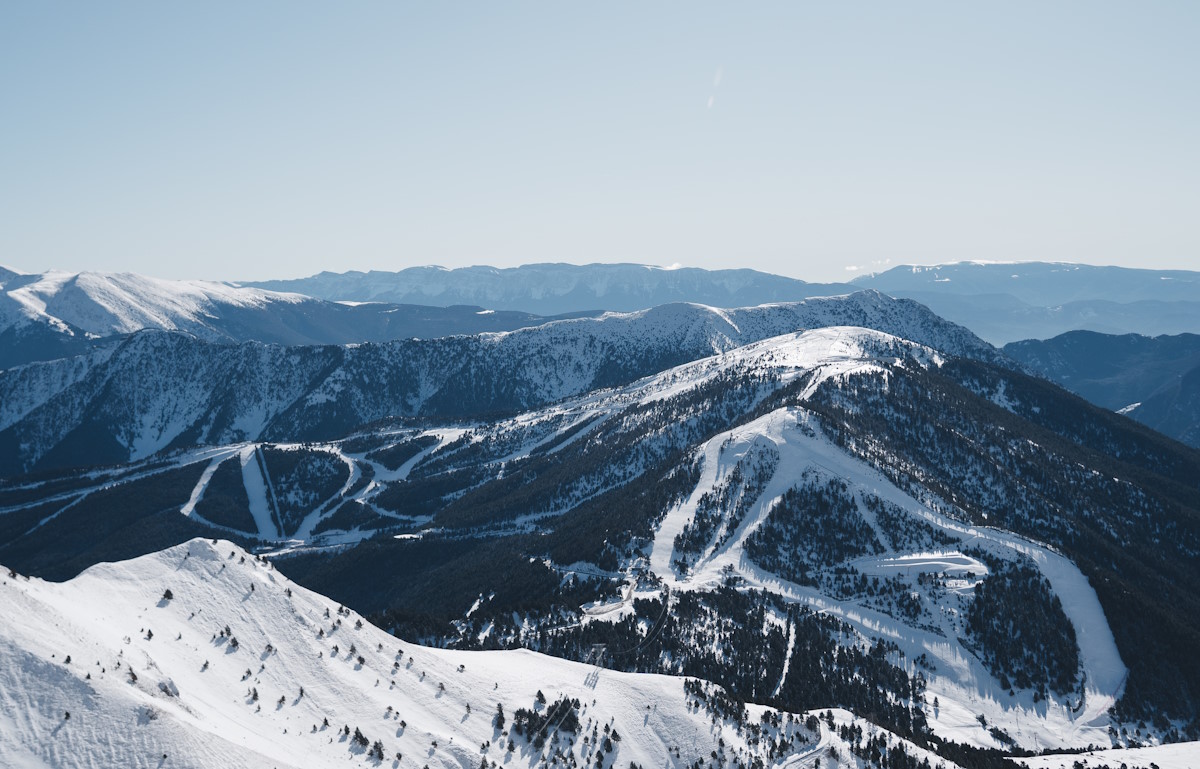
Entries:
{"x":201,"y":655}
{"x":101,"y":304}
{"x":59,"y":314}
{"x":157,"y":390}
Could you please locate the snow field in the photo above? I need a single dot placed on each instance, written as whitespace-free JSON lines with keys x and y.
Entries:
{"x":193,"y":699}
{"x":1180,"y":755}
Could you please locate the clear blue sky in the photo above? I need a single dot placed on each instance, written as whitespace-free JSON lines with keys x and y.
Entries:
{"x":255,"y":140}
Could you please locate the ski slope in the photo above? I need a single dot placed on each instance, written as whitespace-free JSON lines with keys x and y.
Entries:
{"x":963,"y":686}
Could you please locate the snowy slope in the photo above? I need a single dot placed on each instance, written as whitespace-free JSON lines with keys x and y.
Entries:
{"x":108,"y":670}
{"x":103,"y":304}
{"x":963,"y":686}
{"x":1182,"y":755}
{"x":99,"y":304}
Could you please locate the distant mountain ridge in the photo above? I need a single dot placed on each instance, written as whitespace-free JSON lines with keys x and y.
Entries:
{"x":549,"y":289}
{"x":1007,"y":302}
{"x":1153,"y":380}
{"x":57,"y":314}
{"x":158,"y":390}
{"x":1040,"y":283}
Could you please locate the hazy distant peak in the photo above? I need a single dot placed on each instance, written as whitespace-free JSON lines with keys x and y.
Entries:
{"x":556,"y":288}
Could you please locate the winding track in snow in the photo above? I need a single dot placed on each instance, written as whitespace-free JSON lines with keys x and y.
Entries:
{"x":801,"y":448}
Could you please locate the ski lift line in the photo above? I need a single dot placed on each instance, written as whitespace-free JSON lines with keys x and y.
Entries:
{"x":659,"y":624}
{"x":568,"y":707}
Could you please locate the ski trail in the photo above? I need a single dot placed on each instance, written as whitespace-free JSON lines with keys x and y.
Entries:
{"x":961,"y":678}
{"x":58,"y":512}
{"x":664,"y":539}
{"x":801,"y":760}
{"x":787,"y":660}
{"x":256,"y":491}
{"x":201,"y":485}
{"x":1098,"y":655}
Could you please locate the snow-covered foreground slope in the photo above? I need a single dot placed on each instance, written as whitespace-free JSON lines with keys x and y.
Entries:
{"x":204,"y":656}
{"x":1181,"y":755}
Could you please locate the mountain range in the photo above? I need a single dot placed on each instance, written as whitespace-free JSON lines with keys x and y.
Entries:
{"x":971,"y":556}
{"x":157,"y":390}
{"x":1007,"y":302}
{"x":1001,"y":302}
{"x":1153,"y":380}
{"x":549,"y":289}
{"x":57,"y":314}
{"x":839,"y":529}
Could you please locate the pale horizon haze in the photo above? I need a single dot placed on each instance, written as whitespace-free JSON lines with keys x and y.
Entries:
{"x":820,"y":141}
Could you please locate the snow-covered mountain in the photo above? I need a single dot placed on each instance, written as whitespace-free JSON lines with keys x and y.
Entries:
{"x":155,"y":390}
{"x":1006,"y":302}
{"x":204,"y":656}
{"x":1001,"y":302}
{"x":549,"y":289}
{"x":57,"y":314}
{"x":836,"y":516}
{"x":103,"y":304}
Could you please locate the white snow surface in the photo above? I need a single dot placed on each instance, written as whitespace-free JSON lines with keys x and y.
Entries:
{"x":1180,"y":755}
{"x":116,"y":303}
{"x":75,"y":647}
